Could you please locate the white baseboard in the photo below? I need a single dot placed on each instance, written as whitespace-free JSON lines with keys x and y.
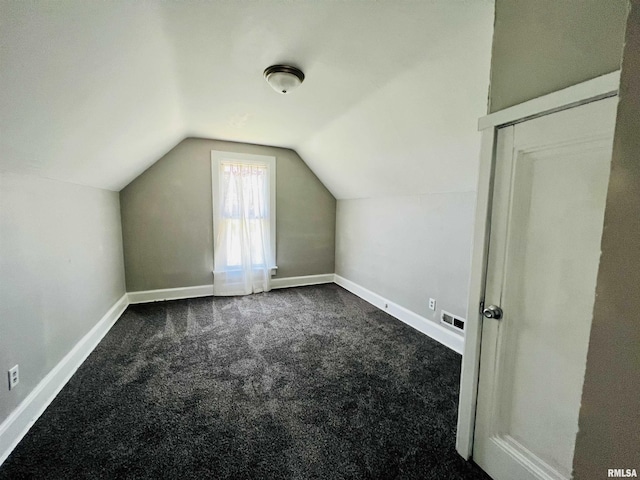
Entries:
{"x":301,"y":281}
{"x":18,"y":423}
{"x":147,"y":296}
{"x":446,"y":337}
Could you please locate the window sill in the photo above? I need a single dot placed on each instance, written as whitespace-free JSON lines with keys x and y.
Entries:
{"x":232,"y":270}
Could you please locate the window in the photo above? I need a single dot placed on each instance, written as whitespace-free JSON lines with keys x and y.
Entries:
{"x":243,"y":222}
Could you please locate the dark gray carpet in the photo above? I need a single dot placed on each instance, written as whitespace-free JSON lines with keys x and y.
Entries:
{"x":301,"y":383}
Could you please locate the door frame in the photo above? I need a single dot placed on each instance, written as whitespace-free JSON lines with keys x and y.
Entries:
{"x":596,"y":89}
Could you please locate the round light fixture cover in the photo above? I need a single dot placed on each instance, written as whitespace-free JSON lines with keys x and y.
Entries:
{"x":283,"y":78}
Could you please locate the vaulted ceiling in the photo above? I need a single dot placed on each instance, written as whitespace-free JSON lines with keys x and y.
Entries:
{"x":95,"y":92}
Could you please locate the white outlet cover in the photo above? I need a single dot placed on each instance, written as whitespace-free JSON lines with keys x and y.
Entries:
{"x":14,"y":377}
{"x":432,"y":304}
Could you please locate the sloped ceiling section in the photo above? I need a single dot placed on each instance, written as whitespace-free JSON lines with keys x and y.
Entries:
{"x":94,"y":92}
{"x":88,"y":90}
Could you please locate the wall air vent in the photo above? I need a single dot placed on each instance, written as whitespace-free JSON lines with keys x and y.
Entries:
{"x":452,"y":321}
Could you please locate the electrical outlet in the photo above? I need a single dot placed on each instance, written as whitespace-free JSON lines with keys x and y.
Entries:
{"x":14,"y":377}
{"x":432,"y":304}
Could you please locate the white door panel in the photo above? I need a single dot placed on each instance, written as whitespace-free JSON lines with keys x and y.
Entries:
{"x":550,"y":187}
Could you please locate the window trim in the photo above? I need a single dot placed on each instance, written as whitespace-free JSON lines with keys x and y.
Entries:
{"x":218,"y":157}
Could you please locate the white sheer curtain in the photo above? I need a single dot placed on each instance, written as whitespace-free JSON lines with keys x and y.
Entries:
{"x":242,"y":250}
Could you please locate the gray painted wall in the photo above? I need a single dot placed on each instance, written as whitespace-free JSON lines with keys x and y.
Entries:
{"x":545,"y":45}
{"x":167,"y":218}
{"x":61,"y":269}
{"x":609,"y":424}
{"x":409,"y":248}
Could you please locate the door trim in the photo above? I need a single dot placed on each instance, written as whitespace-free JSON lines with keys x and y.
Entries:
{"x":579,"y":94}
{"x":589,"y":91}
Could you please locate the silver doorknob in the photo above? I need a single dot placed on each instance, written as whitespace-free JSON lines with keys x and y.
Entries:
{"x":492,"y":311}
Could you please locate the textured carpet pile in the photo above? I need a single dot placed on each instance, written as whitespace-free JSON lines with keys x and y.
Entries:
{"x":300,"y":383}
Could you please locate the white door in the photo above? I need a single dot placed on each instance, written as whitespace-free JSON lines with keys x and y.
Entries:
{"x":551,"y":177}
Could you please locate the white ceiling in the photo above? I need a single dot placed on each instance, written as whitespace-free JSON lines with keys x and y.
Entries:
{"x":94,"y":92}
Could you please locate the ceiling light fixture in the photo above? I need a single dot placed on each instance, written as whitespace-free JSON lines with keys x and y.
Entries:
{"x":283,"y":78}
